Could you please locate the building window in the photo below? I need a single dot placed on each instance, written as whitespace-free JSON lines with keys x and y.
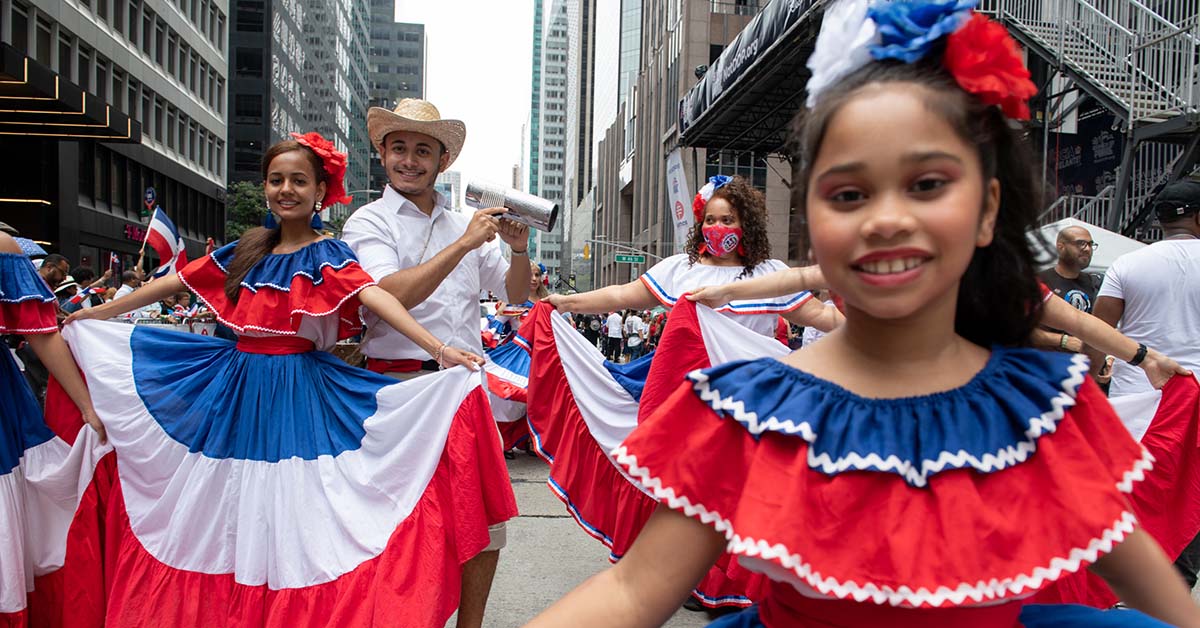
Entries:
{"x":249,"y":16}
{"x":20,"y":27}
{"x":134,"y":20}
{"x":160,"y":41}
{"x":102,"y":79}
{"x":42,"y":54}
{"x":172,"y":51}
{"x":131,"y":101}
{"x":64,"y":57}
{"x":171,"y":128}
{"x":220,"y":95}
{"x":248,"y":108}
{"x":118,"y":89}
{"x":159,"y":125}
{"x":102,"y":10}
{"x":118,"y":20}
{"x":85,"y":69}
{"x":221,"y":32}
{"x":147,"y":31}
{"x":248,"y":62}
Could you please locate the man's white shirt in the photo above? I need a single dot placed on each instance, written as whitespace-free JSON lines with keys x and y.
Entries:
{"x":392,"y":234}
{"x":614,"y":325}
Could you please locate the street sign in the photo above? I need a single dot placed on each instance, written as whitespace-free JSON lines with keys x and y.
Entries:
{"x":630,"y":259}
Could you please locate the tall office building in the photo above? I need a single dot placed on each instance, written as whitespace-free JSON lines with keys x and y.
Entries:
{"x":449,"y":184}
{"x":630,"y":48}
{"x":547,"y":247}
{"x":676,"y":36}
{"x":335,"y":70}
{"x":269,"y":88}
{"x":535,"y":100}
{"x":397,"y":69}
{"x":104,"y":99}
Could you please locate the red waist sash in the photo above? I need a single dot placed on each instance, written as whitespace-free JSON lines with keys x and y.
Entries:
{"x":275,"y":345}
{"x":785,"y":607}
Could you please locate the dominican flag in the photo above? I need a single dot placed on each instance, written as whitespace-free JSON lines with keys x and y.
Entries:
{"x":363,"y":525}
{"x":85,"y":293}
{"x":113,"y":260}
{"x":163,"y":237}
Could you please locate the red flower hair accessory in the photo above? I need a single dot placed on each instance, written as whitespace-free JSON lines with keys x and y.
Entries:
{"x":985,"y":61}
{"x":334,"y":162}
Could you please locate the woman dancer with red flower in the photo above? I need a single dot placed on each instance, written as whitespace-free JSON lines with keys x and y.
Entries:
{"x":265,"y":482}
{"x":918,"y":466}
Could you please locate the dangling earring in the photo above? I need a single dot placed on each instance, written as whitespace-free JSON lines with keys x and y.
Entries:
{"x":316,"y":219}
{"x":270,"y":222}
{"x":316,"y":223}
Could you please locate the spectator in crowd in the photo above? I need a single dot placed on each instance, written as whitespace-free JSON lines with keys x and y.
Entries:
{"x":635,"y":335}
{"x":1068,"y":280}
{"x":614,"y":327}
{"x":130,"y":280}
{"x":54,"y":269}
{"x":64,"y":291}
{"x":86,"y":278}
{"x":590,"y":327}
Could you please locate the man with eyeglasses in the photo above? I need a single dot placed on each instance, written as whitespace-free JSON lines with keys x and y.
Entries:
{"x":1068,"y":280}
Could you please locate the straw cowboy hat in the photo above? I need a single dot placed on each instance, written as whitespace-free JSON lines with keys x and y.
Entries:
{"x":417,"y":116}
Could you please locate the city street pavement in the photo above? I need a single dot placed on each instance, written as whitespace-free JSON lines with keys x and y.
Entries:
{"x":547,"y":554}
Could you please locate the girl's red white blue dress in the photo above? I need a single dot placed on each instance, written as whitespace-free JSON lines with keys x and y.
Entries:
{"x":946,"y":509}
{"x":267,"y":483}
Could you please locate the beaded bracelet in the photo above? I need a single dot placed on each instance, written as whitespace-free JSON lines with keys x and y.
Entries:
{"x":438,"y":356}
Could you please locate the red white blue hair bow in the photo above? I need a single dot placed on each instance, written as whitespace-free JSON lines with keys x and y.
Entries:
{"x":702,"y":197}
{"x":979,"y":53}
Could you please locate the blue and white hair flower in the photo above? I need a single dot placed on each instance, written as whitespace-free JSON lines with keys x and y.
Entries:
{"x":855,"y":32}
{"x":909,"y":30}
{"x":702,"y":197}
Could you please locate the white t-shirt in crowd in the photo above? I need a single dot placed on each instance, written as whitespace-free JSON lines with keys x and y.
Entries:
{"x":675,"y":276}
{"x":1160,"y":285}
{"x":633,"y":329}
{"x":123,"y":290}
{"x":614,"y":325}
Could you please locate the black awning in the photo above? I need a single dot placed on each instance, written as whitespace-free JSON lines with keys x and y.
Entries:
{"x":36,"y":101}
{"x":753,"y":90}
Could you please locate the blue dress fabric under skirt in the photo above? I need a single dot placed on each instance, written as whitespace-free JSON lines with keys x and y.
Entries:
{"x":1032,"y":616}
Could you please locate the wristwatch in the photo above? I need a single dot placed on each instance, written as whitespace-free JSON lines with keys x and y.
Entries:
{"x":1140,"y":355}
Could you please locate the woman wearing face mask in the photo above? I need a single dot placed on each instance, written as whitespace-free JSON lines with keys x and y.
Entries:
{"x":728,"y":243}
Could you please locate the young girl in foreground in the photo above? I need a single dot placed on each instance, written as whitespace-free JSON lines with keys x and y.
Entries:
{"x":917,"y":467}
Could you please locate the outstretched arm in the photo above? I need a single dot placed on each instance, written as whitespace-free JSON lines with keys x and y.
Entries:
{"x":816,"y":314}
{"x":653,"y":578}
{"x":1098,"y":334}
{"x":152,"y":292}
{"x":1139,"y":573}
{"x":386,"y":307}
{"x":776,"y":284}
{"x":52,"y":350}
{"x":633,"y":295}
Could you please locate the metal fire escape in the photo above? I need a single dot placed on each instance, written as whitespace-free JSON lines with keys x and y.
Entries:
{"x":1140,"y":60}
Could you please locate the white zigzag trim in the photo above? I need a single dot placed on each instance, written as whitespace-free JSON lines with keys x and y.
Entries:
{"x":957,"y":595}
{"x":914,"y":474}
{"x":1137,"y":472}
{"x":254,"y":288}
{"x":281,"y":332}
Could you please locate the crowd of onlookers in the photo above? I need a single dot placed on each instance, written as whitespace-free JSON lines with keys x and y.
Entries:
{"x":623,"y":336}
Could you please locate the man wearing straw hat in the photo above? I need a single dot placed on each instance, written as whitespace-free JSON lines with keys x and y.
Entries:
{"x":435,"y":261}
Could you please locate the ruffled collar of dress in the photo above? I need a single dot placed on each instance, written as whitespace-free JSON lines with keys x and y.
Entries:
{"x":277,"y":270}
{"x":20,"y":282}
{"x":990,"y":423}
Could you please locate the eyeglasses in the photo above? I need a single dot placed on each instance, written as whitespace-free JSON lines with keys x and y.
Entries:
{"x":1090,"y":244}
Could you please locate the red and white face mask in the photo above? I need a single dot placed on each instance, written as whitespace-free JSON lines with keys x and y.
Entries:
{"x":721,"y":240}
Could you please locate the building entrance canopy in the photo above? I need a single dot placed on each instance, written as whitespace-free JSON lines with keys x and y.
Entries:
{"x":747,"y":99}
{"x":36,"y":101}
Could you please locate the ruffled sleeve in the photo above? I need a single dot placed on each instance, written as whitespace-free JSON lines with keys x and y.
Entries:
{"x":660,"y":279}
{"x":987,"y":492}
{"x":26,"y":304}
{"x":319,"y":280}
